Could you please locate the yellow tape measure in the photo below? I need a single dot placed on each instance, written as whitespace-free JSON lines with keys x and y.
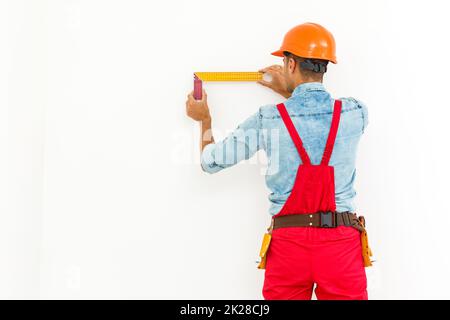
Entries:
{"x":229,"y":76}
{"x":199,"y":77}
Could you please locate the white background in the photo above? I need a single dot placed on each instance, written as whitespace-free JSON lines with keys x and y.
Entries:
{"x":102,"y":195}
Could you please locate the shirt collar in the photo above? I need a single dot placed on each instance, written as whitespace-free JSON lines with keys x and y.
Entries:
{"x":308,"y":86}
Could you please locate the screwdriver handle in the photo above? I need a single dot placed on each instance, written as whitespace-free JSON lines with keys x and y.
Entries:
{"x":197,"y":88}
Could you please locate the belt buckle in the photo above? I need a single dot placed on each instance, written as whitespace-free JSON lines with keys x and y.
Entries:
{"x":327,"y":219}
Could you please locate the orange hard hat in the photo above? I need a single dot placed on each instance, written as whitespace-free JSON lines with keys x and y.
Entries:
{"x":309,"y":40}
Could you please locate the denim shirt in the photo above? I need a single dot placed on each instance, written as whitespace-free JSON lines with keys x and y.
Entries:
{"x":310,"y":108}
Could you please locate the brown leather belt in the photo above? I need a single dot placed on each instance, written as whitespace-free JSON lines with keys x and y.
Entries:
{"x":328,"y":219}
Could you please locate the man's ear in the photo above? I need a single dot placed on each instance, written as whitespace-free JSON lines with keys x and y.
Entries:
{"x":292,"y":64}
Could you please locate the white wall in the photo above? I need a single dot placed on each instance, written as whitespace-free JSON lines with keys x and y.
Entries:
{"x":23,"y":65}
{"x":106,"y":195}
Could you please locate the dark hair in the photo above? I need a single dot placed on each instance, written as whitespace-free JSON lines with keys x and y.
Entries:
{"x":310,"y":68}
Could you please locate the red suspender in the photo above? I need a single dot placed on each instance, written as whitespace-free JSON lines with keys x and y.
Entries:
{"x":294,"y":134}
{"x":298,"y":141}
{"x":333,"y":132}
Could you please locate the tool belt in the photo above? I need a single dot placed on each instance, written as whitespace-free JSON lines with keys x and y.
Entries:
{"x":328,"y":219}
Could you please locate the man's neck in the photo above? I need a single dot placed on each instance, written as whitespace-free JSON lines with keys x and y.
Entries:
{"x":302,"y":81}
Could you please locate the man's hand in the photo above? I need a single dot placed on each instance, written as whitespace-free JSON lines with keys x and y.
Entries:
{"x":198,"y":109}
{"x":278,"y":83}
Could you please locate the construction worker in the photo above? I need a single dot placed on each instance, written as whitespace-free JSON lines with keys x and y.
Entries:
{"x":311,"y":141}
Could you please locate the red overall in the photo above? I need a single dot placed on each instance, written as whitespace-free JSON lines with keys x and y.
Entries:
{"x":299,"y":257}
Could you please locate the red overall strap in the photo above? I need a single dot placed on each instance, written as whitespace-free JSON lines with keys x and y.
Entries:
{"x":333,"y":132}
{"x":294,"y":134}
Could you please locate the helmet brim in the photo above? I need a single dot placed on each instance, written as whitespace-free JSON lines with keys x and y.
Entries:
{"x":278,"y":53}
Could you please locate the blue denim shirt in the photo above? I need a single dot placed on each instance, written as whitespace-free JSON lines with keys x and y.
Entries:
{"x":311,"y":109}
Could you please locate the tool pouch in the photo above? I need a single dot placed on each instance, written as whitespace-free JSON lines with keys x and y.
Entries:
{"x":263,"y":251}
{"x":366,"y":251}
{"x":265,"y":247}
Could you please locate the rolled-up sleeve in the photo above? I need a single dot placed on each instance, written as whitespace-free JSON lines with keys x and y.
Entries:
{"x":241,"y":144}
{"x":364,"y":112}
{"x":365,"y":115}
